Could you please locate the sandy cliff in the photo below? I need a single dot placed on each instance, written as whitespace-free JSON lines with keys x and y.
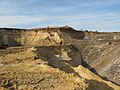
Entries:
{"x":60,"y":57}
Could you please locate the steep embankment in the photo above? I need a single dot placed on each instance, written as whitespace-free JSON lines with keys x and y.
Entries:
{"x":14,"y":37}
{"x":101,"y":55}
{"x":39,"y":37}
{"x":47,"y":68}
{"x":105,"y":59}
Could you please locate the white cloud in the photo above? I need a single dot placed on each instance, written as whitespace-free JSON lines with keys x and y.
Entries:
{"x":7,"y":7}
{"x":95,"y":20}
{"x":19,"y":20}
{"x":96,"y":3}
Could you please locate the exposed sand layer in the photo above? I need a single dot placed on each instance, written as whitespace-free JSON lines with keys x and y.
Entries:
{"x":47,"y":68}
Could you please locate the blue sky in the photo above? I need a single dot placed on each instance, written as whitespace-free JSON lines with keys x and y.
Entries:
{"x":100,"y":15}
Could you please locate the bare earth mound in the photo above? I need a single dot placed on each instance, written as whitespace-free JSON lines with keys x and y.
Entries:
{"x":47,"y":68}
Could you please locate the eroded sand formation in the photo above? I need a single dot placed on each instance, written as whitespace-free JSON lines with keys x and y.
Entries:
{"x":59,"y":57}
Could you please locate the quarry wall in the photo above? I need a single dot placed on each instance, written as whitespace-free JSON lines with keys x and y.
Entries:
{"x":19,"y":37}
{"x":53,"y":36}
{"x":40,"y":36}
